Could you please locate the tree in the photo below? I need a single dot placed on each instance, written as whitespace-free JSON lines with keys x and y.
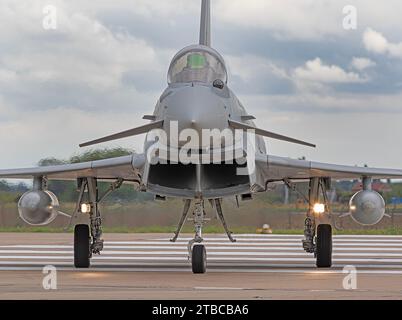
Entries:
{"x":50,"y":162}
{"x":100,"y":154}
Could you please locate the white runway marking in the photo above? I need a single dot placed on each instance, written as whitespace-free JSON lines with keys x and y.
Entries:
{"x":252,"y":253}
{"x":290,"y":240}
{"x":185,"y":253}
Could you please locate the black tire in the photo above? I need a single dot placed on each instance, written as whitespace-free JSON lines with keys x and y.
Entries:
{"x":82,"y":245}
{"x":199,"y":259}
{"x":324,"y":246}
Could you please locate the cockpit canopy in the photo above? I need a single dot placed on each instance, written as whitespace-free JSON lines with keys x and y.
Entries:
{"x":197,"y":64}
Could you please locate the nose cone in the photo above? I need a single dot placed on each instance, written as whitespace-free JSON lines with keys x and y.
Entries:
{"x":195,"y":108}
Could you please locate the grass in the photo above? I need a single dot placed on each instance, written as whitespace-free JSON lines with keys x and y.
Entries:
{"x":206,"y":229}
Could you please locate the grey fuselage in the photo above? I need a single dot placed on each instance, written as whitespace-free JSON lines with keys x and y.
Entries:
{"x":198,"y":105}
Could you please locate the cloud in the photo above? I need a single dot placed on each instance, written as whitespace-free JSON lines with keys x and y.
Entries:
{"x":376,"y":42}
{"x":307,"y":21}
{"x":81,"y":64}
{"x":313,"y":75}
{"x":248,"y":66}
{"x":315,"y":71}
{"x":105,"y":66}
{"x":352,"y":105}
{"x":333,"y":121}
{"x":361,"y":64}
{"x":34,"y":135}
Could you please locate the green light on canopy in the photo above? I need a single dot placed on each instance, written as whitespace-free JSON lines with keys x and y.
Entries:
{"x":196,"y":61}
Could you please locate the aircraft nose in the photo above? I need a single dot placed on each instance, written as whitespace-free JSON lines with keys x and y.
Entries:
{"x":196,"y":108}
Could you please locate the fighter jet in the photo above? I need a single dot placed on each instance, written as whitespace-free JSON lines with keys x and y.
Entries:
{"x":198,"y":99}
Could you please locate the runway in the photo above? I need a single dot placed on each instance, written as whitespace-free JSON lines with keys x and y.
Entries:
{"x":151,"y":267}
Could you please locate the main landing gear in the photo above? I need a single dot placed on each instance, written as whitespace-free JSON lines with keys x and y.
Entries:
{"x":196,"y":250}
{"x":324,"y":246}
{"x":82,"y":246}
{"x":87,"y":238}
{"x":317,"y":230}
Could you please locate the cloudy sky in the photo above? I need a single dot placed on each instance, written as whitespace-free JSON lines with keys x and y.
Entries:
{"x":292,"y":64}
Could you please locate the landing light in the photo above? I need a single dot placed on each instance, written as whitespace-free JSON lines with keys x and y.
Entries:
{"x":353,"y":208}
{"x":85,"y":208}
{"x":319,"y":208}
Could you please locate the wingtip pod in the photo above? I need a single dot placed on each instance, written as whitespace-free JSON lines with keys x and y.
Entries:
{"x":205,"y":27}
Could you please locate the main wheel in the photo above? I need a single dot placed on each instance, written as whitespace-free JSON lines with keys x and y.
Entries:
{"x":82,"y":245}
{"x":324,"y":246}
{"x":199,"y":259}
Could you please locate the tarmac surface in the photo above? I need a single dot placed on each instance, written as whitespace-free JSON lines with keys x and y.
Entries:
{"x":144,"y":266}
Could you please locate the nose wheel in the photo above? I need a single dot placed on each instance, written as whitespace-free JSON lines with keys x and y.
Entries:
{"x":199,"y":259}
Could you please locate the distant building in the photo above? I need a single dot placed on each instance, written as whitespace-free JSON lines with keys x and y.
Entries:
{"x":377,"y":185}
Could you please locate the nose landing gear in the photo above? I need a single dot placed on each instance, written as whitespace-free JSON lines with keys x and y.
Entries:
{"x":197,"y":252}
